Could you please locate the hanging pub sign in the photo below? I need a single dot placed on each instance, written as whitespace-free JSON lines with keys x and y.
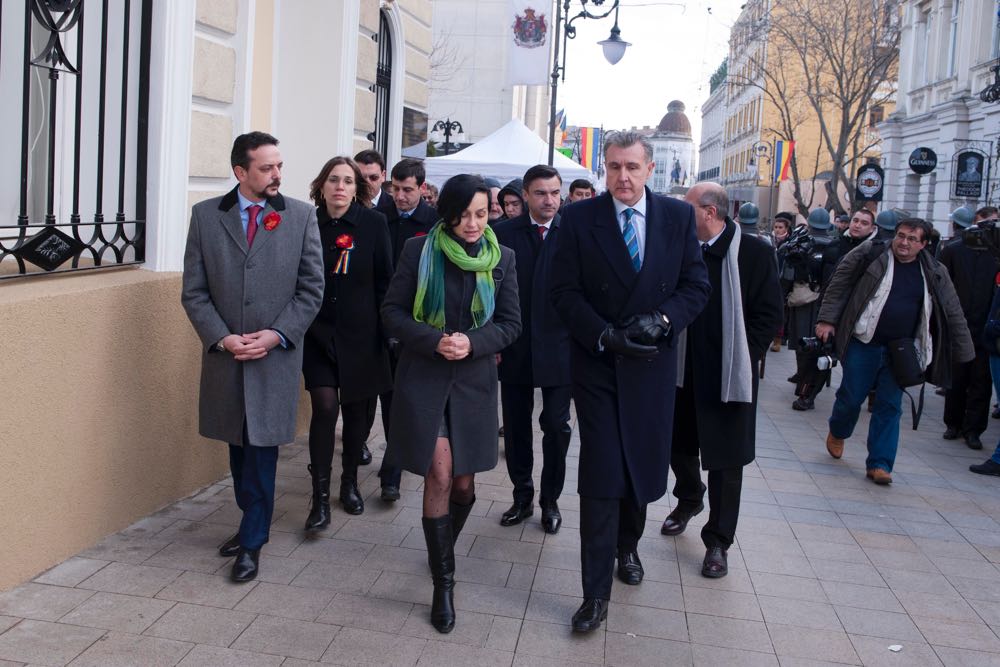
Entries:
{"x":923,"y":160}
{"x":870,"y":181}
{"x":969,"y":169}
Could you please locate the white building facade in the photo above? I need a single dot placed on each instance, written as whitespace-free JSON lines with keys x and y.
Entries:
{"x":713,"y":127}
{"x":946,"y":50}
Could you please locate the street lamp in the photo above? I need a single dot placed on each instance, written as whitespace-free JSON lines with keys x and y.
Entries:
{"x":614,"y":48}
{"x":447,"y":126}
{"x":764,"y":151}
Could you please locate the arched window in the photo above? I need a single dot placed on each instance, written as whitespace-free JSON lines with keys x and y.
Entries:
{"x":383,"y":86}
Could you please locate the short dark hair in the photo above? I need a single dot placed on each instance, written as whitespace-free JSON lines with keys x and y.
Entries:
{"x":987,"y":212}
{"x":456,"y":194}
{"x":408,"y":167}
{"x":251,"y":141}
{"x":370,"y":156}
{"x":581,"y":184}
{"x":785,"y":215}
{"x":866,"y":211}
{"x":917,"y":223}
{"x":537,"y":172}
{"x":363,"y":194}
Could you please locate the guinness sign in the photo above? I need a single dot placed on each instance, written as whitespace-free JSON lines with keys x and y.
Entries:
{"x":923,"y":161}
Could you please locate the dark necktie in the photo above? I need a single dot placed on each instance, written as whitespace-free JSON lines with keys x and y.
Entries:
{"x":252,"y":212}
{"x":541,"y":231}
{"x":405,"y":215}
{"x":704,"y":248}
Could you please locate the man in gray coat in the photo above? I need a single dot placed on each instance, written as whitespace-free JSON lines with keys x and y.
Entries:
{"x":253,"y":283}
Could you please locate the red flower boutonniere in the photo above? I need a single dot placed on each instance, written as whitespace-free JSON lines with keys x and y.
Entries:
{"x":419,"y":234}
{"x":271,"y":220}
{"x":346,"y":244}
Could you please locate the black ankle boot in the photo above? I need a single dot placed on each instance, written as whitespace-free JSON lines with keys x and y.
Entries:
{"x":319,"y":513}
{"x":441,"y":557}
{"x":350,"y":498}
{"x":459,"y":513}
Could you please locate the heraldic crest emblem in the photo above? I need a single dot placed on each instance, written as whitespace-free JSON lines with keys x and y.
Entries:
{"x":529,"y":30}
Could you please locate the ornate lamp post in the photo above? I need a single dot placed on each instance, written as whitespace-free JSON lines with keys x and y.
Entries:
{"x":447,"y":126}
{"x":614,"y":48}
{"x":764,"y":151}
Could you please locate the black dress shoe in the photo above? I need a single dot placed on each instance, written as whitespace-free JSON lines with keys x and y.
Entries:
{"x":390,"y":493}
{"x":630,"y":568}
{"x":517,"y":513}
{"x":950,"y":433}
{"x":972,"y":441}
{"x":245,"y":565}
{"x":590,"y":614}
{"x":230,"y":547}
{"x":366,"y":455}
{"x":989,"y":467}
{"x":551,"y":518}
{"x":677,"y":521}
{"x":715,"y":565}
{"x":802,"y":404}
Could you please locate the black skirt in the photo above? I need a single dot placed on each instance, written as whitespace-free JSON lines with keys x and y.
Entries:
{"x":318,"y":368}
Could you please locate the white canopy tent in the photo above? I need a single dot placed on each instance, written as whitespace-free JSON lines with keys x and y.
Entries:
{"x":505,"y":155}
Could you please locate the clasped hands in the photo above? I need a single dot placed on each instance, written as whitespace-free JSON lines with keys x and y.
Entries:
{"x":454,"y":346}
{"x":251,"y":346}
{"x":637,"y":336}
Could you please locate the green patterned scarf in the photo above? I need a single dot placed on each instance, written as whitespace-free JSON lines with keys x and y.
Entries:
{"x":428,"y":305}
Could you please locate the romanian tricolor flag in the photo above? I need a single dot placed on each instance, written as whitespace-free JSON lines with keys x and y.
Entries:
{"x":590,"y":147}
{"x":783,"y":151}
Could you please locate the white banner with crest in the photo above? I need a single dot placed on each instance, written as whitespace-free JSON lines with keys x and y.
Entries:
{"x":529,"y":32}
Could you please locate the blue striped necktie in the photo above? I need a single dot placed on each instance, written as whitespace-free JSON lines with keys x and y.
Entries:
{"x":631,"y":242}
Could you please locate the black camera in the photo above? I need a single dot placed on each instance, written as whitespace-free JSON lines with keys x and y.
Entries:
{"x":823,"y":351}
{"x":985,"y":235}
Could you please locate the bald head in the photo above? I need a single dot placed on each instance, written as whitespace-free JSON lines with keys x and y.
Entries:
{"x":711,"y":204}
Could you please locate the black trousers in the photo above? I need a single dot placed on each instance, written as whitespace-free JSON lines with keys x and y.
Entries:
{"x":607,"y":525}
{"x":518,"y":405}
{"x":967,"y":403}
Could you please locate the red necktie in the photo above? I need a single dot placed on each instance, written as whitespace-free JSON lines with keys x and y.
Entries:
{"x":541,"y":231}
{"x":252,"y":212}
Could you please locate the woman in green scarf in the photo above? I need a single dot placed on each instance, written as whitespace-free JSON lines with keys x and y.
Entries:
{"x":453,"y":305}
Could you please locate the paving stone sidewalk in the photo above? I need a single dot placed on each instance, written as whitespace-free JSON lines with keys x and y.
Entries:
{"x":828,"y":569}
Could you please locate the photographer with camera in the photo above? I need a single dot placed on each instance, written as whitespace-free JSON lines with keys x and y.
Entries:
{"x":904,"y":301}
{"x":972,"y":266}
{"x":807,"y":259}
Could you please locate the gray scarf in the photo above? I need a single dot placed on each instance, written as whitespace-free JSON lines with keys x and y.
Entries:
{"x":737,"y":371}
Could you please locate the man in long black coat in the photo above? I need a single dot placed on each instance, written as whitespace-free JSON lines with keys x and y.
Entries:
{"x":538,"y":358}
{"x":713,"y":414}
{"x":627,"y":274}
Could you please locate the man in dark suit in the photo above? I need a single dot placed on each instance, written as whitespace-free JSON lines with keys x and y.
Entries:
{"x":410,"y":216}
{"x":627,"y":273}
{"x":538,"y":358}
{"x":715,"y":411}
{"x":372,"y":166}
{"x":253,"y":283}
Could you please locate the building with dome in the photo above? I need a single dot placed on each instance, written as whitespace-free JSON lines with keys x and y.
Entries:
{"x":673,"y":151}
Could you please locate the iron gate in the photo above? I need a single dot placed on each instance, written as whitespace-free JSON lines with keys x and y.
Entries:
{"x":383,"y":84}
{"x":83,"y":134}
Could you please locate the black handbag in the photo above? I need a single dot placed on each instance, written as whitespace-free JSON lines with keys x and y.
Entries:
{"x":908,"y":371}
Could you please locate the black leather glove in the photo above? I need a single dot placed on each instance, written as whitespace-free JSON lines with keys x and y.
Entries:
{"x":618,"y":341}
{"x":647,"y":328}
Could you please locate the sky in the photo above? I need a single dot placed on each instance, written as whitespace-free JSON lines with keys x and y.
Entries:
{"x":676,"y":46}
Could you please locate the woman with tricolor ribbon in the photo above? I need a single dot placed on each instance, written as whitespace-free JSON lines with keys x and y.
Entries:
{"x":453,"y":304}
{"x":344,"y":360}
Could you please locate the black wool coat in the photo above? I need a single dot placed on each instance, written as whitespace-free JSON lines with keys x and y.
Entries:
{"x":348,"y":329}
{"x":540,"y":355}
{"x":402,"y":229}
{"x":726,"y":431}
{"x":625,"y":405}
{"x":426,"y":382}
{"x":973,"y":273}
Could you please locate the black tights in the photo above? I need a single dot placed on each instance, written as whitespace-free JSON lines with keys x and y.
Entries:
{"x":323,"y":428}
{"x":440,"y":487}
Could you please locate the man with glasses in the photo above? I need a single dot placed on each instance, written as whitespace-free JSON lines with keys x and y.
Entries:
{"x":896,"y":296}
{"x":372,"y":166}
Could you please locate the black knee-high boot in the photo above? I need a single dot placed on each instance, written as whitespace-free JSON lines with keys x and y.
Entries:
{"x":459,"y":513}
{"x":441,"y":558}
{"x":319,"y":513}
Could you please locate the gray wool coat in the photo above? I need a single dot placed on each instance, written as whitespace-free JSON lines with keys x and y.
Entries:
{"x":426,"y":381}
{"x":230,"y":289}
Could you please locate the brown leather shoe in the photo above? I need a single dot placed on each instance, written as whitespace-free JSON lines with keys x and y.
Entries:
{"x":834,"y":445}
{"x":879,"y":476}
{"x":776,"y":344}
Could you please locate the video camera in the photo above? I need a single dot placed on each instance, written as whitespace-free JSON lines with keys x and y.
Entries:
{"x":823,"y":351}
{"x":985,"y":235}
